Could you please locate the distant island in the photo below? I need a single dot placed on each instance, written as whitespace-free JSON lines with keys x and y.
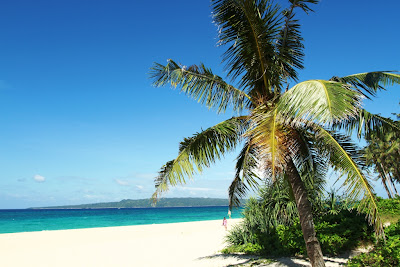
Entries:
{"x":147,"y":203}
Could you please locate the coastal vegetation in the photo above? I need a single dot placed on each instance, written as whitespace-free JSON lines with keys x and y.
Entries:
{"x":382,"y":153}
{"x":384,"y":253}
{"x":290,"y":132}
{"x":339,"y":228}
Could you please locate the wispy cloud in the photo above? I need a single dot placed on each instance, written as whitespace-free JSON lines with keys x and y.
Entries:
{"x":121,"y":182}
{"x":140,"y":187}
{"x":38,"y":178}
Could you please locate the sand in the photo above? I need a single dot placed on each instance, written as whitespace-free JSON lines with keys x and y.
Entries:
{"x":163,"y":245}
{"x":175,"y":244}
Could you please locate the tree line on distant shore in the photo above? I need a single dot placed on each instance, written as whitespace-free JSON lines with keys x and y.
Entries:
{"x":147,"y":203}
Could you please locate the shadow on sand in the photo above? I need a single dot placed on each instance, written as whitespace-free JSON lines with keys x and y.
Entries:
{"x":241,"y":259}
{"x":248,"y":260}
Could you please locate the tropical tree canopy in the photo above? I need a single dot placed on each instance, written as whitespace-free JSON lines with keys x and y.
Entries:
{"x":383,"y":154}
{"x":290,"y":133}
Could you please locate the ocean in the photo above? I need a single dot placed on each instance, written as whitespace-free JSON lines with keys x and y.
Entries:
{"x":29,"y":220}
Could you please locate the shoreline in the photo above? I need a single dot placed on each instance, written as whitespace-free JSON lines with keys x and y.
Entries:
{"x":17,"y":221}
{"x":205,"y":206}
{"x":113,"y":226}
{"x":167,"y":244}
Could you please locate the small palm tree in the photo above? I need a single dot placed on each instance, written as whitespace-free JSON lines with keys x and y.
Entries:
{"x":286,"y":133}
{"x":382,"y":152}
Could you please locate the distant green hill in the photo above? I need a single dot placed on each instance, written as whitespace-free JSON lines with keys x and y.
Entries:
{"x":147,"y":203}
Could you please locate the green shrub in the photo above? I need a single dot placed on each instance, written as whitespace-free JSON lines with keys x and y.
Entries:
{"x":389,"y":206}
{"x":341,"y":232}
{"x":248,"y":248}
{"x":383,"y":254}
{"x":337,"y":233}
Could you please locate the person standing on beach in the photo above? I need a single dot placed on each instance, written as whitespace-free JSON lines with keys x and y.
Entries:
{"x":225,"y":223}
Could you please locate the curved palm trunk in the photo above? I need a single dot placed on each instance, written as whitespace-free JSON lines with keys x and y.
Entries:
{"x":383,"y":179}
{"x":393,"y":184}
{"x":306,"y":219}
{"x":387,"y":179}
{"x":385,"y":186}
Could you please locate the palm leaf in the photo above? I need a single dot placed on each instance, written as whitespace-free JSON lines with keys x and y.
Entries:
{"x":367,"y":123}
{"x":199,"y":151}
{"x":346,"y":159}
{"x":270,"y":136}
{"x":303,"y":4}
{"x":311,"y":164}
{"x":249,"y":28}
{"x":289,"y":44}
{"x":200,"y":83}
{"x":278,"y":204}
{"x":323,"y":102}
{"x":369,"y":83}
{"x":245,"y":175}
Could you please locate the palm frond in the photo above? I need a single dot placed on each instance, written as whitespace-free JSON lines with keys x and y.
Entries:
{"x":269,"y":135}
{"x":368,"y":83}
{"x":245,"y":175}
{"x":324,"y":102}
{"x":278,"y":205}
{"x":346,"y":159}
{"x":200,"y":83}
{"x":304,"y":4}
{"x":199,"y":151}
{"x":367,"y":123}
{"x":289,"y":44}
{"x":250,"y":29}
{"x":311,"y":164}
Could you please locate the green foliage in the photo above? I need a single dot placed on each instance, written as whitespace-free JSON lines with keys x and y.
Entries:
{"x":384,"y":254}
{"x":389,"y":206}
{"x":337,"y":233}
{"x":341,"y":232}
{"x":248,"y":248}
{"x":383,"y":154}
{"x":272,"y":227}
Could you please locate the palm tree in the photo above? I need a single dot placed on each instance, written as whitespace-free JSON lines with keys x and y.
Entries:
{"x":275,"y":204}
{"x":382,"y":152}
{"x":285,"y":133}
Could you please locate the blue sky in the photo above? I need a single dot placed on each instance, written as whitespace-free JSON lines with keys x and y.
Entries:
{"x":80,"y":121}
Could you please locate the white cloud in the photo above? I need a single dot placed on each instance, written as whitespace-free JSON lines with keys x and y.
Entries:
{"x":121,"y":182}
{"x":38,"y":178}
{"x":140,"y":187}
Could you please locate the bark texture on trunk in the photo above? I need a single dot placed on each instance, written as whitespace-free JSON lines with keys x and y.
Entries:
{"x":306,"y":219}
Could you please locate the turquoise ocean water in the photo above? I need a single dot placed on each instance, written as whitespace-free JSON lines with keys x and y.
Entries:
{"x":14,"y":221}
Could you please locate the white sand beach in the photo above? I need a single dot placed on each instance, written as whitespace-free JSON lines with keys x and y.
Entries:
{"x":162,"y":245}
{"x":175,"y":244}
